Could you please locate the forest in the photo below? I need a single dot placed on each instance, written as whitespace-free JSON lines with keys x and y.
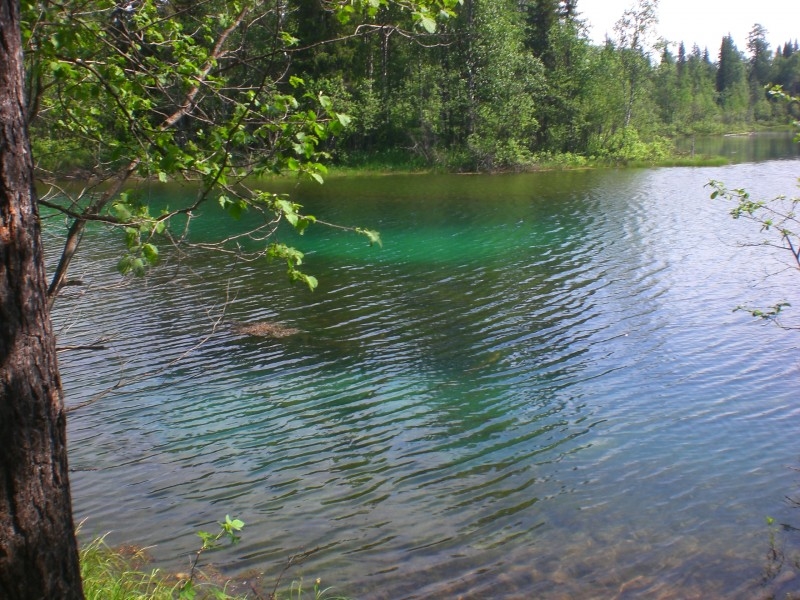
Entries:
{"x":508,"y":83}
{"x":494,"y":85}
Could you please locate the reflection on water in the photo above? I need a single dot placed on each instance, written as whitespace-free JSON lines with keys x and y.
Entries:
{"x":747,"y":147}
{"x":537,"y":388}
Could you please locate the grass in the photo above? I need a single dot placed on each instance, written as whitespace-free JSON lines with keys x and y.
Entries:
{"x":396,"y":162}
{"x":116,"y":575}
{"x":385,"y":161}
{"x":121,"y":574}
{"x":683,"y":161}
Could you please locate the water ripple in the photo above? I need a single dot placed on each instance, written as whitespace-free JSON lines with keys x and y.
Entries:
{"x":552,"y":394}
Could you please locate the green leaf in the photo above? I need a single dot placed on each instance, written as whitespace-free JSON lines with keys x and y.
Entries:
{"x":188,"y":592}
{"x":131,"y":237}
{"x":209,"y":539}
{"x":289,"y":39}
{"x":124,"y":264}
{"x":121,"y":211}
{"x":344,"y":13}
{"x":311,"y":282}
{"x":298,"y":276}
{"x":427,"y":23}
{"x":137,"y":266}
{"x":288,"y":209}
{"x":235,"y":209}
{"x":150,"y":253}
{"x":373,"y":236}
{"x":292,"y":255}
{"x":303,"y":223}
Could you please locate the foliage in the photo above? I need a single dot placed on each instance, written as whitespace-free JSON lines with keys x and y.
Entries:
{"x":168,"y":90}
{"x":507,"y":80}
{"x":110,"y":574}
{"x":778,"y":217}
{"x":298,"y":85}
{"x":560,"y":160}
{"x":229,"y":529}
{"x":118,"y":574}
{"x":627,"y":147}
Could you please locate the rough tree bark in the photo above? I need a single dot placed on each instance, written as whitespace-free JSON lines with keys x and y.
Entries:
{"x":38,"y":550}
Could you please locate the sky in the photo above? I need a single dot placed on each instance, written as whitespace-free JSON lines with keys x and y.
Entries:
{"x":703,"y":22}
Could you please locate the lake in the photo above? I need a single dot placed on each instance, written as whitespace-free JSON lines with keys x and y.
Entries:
{"x":537,"y":387}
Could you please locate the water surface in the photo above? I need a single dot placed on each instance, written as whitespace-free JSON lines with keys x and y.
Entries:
{"x":538,"y":387}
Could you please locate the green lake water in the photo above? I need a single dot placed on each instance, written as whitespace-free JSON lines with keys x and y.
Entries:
{"x":537,"y":388}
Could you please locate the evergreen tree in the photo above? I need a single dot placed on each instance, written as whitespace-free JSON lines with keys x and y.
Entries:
{"x":785,"y":72}
{"x":699,"y":110}
{"x":562,"y":112}
{"x":681,"y":62}
{"x":732,"y":87}
{"x":666,"y":89}
{"x":758,"y":71}
{"x":540,"y":17}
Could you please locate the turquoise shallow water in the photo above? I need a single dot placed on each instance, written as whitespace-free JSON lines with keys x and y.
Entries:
{"x":536,"y":388}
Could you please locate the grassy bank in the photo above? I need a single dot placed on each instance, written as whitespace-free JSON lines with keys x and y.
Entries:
{"x":75,"y":163}
{"x":125,"y":574}
{"x":383,"y":166}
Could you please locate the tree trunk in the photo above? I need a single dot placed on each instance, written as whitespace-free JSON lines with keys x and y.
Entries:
{"x":38,"y":551}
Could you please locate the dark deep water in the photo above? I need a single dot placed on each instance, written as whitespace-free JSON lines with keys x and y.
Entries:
{"x":536,"y":388}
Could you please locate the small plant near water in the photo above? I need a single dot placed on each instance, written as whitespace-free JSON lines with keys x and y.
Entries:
{"x":775,"y":555}
{"x":118,"y":574}
{"x":227,"y":529}
{"x":296,"y":592}
{"x":110,"y":574}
